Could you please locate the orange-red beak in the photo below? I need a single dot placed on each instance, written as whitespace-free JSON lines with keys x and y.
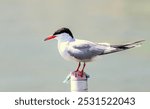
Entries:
{"x":49,"y":37}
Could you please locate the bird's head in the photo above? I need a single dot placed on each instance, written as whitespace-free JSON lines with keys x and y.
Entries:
{"x":62,"y":34}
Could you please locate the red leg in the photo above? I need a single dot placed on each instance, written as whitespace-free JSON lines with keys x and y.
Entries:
{"x":83,"y":67}
{"x":78,"y":67}
{"x":82,"y":71}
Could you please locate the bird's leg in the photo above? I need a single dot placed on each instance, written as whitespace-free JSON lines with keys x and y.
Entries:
{"x":82,"y":71}
{"x":77,"y":70}
{"x":78,"y":67}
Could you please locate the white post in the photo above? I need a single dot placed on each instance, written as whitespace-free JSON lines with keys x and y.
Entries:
{"x":78,"y":83}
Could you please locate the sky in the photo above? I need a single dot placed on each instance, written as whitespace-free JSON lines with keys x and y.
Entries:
{"x":27,"y":63}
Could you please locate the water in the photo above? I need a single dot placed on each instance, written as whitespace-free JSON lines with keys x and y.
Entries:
{"x":27,"y":63}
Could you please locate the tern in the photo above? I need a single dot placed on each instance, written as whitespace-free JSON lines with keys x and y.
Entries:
{"x":83,"y":51}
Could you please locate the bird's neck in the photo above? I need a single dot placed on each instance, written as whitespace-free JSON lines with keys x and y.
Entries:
{"x":64,"y":37}
{"x":63,"y":42}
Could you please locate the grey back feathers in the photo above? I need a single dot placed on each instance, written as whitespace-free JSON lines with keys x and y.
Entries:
{"x":85,"y":52}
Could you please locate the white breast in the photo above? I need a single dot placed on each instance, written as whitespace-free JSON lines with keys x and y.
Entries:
{"x":62,"y":47}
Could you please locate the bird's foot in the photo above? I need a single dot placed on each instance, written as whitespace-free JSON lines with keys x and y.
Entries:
{"x":78,"y":73}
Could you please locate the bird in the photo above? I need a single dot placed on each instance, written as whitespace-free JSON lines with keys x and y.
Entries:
{"x":84,"y":51}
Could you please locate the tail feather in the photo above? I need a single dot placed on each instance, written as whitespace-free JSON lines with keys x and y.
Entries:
{"x":124,"y":46}
{"x":128,"y":45}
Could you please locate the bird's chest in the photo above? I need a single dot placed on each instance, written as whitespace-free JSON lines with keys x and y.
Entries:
{"x":63,"y":49}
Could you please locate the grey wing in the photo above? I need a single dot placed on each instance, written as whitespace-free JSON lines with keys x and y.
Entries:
{"x":85,"y":51}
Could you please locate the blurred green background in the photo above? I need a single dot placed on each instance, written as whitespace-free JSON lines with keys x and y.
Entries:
{"x":27,"y":63}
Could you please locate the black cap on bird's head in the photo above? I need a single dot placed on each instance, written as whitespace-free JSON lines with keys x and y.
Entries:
{"x":59,"y":31}
{"x":63,"y":30}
